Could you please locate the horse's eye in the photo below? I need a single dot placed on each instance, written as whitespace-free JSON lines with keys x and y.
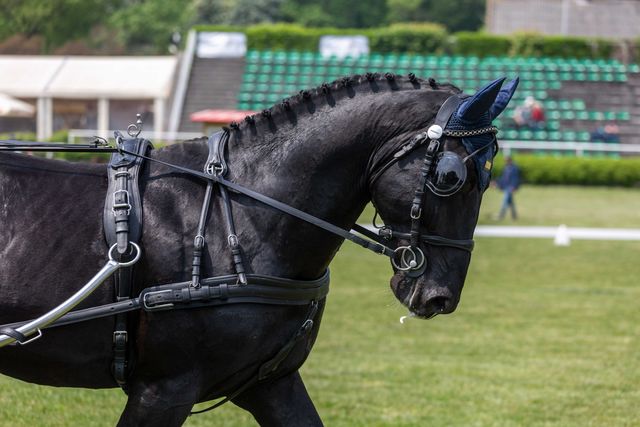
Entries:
{"x":448,"y":175}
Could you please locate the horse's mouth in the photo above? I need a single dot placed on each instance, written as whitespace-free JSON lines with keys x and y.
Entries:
{"x":423,"y":316}
{"x":422,"y":301}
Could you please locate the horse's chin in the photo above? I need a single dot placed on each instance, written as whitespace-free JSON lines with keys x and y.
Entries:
{"x":423,"y":302}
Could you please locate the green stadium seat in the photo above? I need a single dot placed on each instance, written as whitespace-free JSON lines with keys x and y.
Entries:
{"x":554,"y":114}
{"x":554,"y":135}
{"x":252,"y":68}
{"x":569,"y":136}
{"x":553,"y":125}
{"x":245,"y":97}
{"x":578,"y":104}
{"x":623,"y":115}
{"x":510,"y":134}
{"x":540,"y":135}
{"x":583,"y":136}
{"x":595,"y":115}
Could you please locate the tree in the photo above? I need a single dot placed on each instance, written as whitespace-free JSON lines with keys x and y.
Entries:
{"x":147,"y":26}
{"x":456,"y":15}
{"x":57,"y":21}
{"x":336,"y":13}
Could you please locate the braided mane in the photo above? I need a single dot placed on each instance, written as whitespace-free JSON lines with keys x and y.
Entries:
{"x":348,"y":85}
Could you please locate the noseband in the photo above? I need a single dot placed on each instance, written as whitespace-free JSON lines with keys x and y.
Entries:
{"x":410,"y":258}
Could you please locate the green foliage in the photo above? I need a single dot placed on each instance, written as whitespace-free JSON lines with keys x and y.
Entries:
{"x":282,"y":37}
{"x":533,"y":44}
{"x":147,"y":26}
{"x":248,"y":12}
{"x":404,"y":10}
{"x":546,"y":170}
{"x":456,"y":15}
{"x":410,"y":38}
{"x":56,"y":21}
{"x":308,"y":15}
{"x":423,"y":38}
{"x":481,"y":44}
{"x":336,"y":13}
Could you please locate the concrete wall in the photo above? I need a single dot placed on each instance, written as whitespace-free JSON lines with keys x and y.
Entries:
{"x":593,"y":18}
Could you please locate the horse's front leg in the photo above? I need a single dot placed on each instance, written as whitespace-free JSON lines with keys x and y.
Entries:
{"x":283,"y":402}
{"x":163,"y":402}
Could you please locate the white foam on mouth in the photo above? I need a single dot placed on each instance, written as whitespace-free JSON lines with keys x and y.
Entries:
{"x":403,"y":318}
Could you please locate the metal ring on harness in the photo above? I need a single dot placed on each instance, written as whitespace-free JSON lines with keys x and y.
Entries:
{"x":415,"y":262}
{"x":128,"y":263}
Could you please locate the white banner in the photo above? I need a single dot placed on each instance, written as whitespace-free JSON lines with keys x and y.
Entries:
{"x":343,"y":46}
{"x":221,"y":45}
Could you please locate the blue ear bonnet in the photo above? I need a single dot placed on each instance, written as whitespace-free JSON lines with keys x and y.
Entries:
{"x":483,"y":161}
{"x":476,"y":112}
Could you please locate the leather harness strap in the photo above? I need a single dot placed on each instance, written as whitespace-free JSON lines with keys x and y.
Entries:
{"x":11,"y":331}
{"x":122,"y":221}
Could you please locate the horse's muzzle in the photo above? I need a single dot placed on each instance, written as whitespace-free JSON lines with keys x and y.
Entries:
{"x":424,"y":298}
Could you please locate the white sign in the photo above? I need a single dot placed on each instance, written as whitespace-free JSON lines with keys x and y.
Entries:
{"x":221,"y":45}
{"x":343,"y":46}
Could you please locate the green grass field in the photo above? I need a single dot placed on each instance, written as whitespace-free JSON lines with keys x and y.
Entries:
{"x":544,"y":336}
{"x":573,"y":206}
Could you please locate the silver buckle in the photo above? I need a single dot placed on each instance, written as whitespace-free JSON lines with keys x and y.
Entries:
{"x":154,"y":307}
{"x":117,"y":334}
{"x":30,"y":340}
{"x":124,"y":205}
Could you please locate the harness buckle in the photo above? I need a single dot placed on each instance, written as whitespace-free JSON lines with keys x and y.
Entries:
{"x":122,"y":205}
{"x":233,"y":241}
{"x":120,"y":335}
{"x":151,"y":306}
{"x":385,"y":232}
{"x":215,"y":168}
{"x":416,"y":212}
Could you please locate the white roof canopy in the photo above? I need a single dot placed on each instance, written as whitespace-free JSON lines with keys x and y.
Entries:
{"x":11,"y":107}
{"x":114,"y":77}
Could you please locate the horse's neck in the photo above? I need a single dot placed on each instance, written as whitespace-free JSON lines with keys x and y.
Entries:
{"x":317,"y":165}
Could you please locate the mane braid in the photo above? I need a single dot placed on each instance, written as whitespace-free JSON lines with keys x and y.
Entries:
{"x":393,"y":82}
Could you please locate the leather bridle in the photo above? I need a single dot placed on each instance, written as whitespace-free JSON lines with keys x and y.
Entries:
{"x":410,"y":258}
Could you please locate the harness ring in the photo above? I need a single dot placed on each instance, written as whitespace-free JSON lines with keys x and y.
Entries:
{"x":128,"y":263}
{"x":415,"y":262}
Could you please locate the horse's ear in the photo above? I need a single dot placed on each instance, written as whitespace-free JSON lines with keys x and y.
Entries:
{"x":503,"y":98}
{"x":473,"y":108}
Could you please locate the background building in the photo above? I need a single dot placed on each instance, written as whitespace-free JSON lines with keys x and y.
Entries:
{"x":593,"y":18}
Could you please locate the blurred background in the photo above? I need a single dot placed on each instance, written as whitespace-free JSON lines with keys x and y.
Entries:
{"x":547,"y":330}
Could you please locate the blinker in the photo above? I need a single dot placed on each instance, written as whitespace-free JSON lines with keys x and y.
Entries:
{"x":449,"y":174}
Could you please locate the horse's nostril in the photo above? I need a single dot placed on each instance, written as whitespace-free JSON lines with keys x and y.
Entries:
{"x":438,"y":304}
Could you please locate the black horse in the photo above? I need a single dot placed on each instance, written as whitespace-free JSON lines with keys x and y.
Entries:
{"x":317,"y":151}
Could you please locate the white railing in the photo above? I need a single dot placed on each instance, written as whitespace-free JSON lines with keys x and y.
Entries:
{"x":578,"y":148}
{"x":561,"y":235}
{"x":169,"y":137}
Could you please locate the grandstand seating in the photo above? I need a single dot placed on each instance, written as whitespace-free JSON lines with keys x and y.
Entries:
{"x":272,"y":75}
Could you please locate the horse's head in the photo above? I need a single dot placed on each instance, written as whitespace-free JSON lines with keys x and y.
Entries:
{"x":428,"y":190}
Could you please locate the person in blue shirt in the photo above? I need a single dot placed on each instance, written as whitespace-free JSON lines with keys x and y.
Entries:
{"x":509,"y":182}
